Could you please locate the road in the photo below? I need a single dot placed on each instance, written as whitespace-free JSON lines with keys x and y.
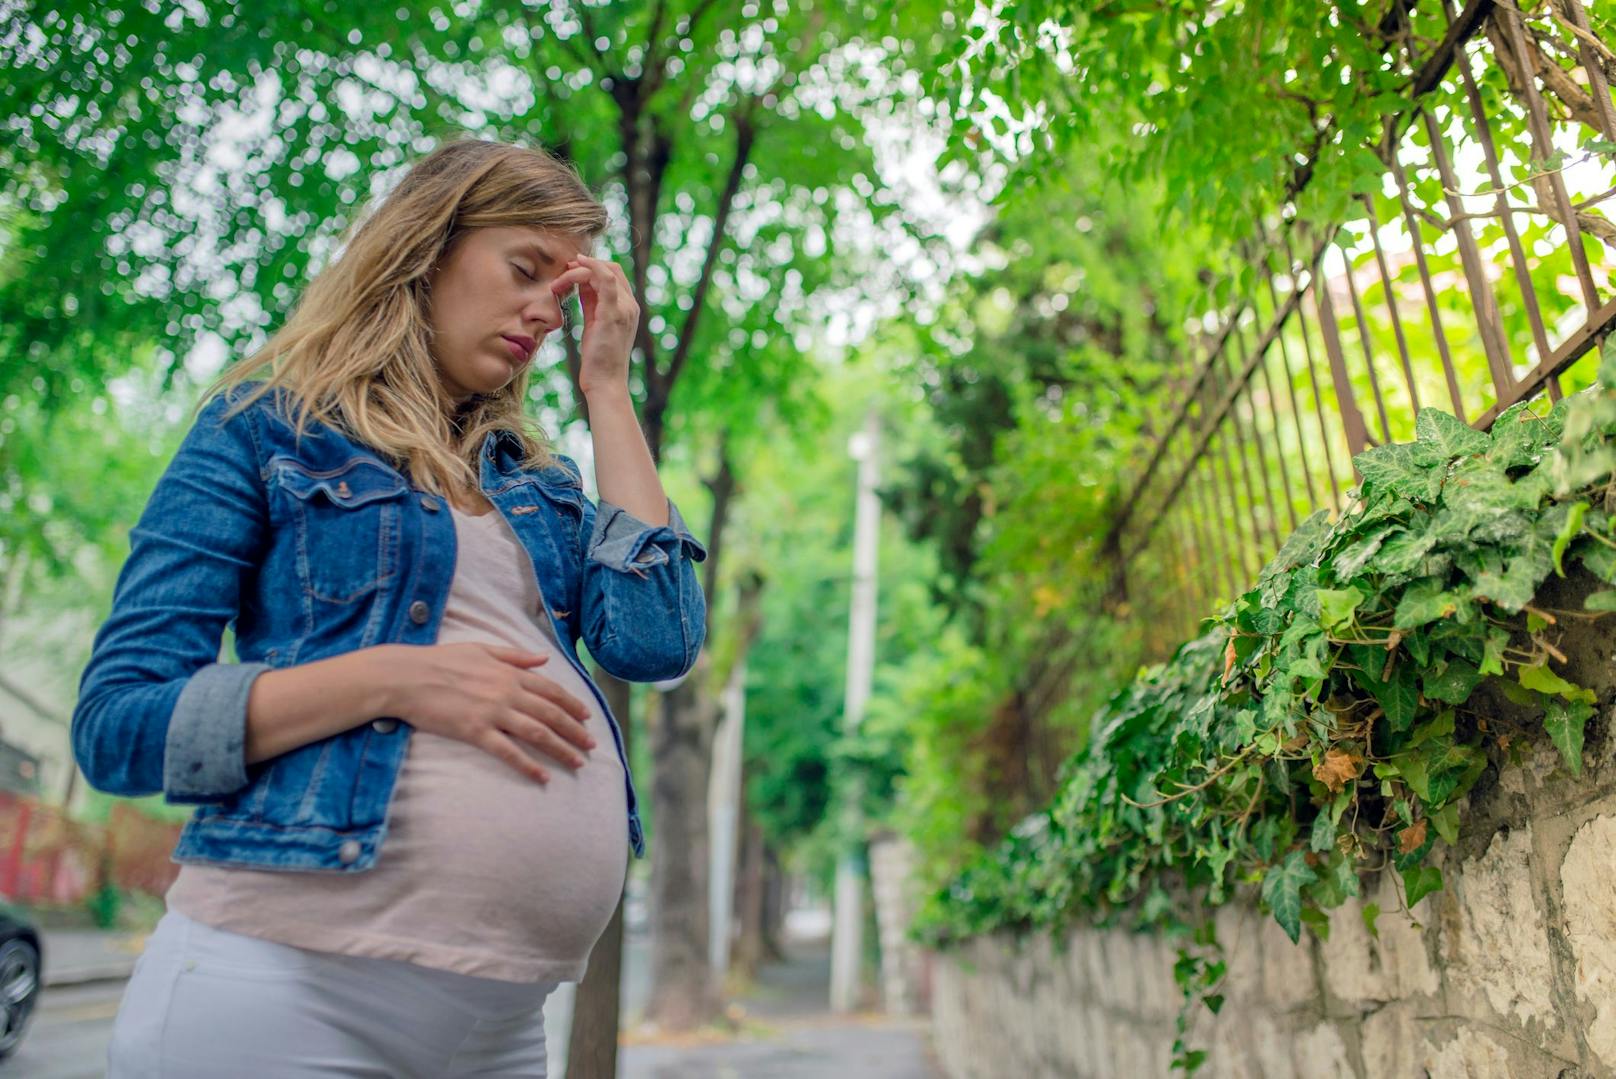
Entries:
{"x":69,"y":1033}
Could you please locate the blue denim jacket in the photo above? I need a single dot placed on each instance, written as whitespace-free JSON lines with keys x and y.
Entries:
{"x":314,"y":547}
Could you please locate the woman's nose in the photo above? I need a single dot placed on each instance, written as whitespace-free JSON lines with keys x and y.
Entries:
{"x":543,"y":314}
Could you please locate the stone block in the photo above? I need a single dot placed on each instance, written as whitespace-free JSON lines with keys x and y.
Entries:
{"x":1320,"y":1053}
{"x":1472,"y":1055}
{"x":1497,"y":947}
{"x":1392,"y":1047}
{"x":1287,"y":969}
{"x":1240,"y":936}
{"x":1271,"y":1046}
{"x":1590,"y":922}
{"x":1121,"y":971}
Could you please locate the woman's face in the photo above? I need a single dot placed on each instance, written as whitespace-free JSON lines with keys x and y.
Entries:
{"x":491,"y":304}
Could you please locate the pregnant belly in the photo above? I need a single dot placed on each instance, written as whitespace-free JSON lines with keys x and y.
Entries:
{"x":542,"y":863}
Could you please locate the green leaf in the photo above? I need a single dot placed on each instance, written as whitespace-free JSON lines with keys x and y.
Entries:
{"x":1426,"y":601}
{"x":1568,"y":531}
{"x":1282,"y":890}
{"x":1439,"y":438}
{"x":1601,"y":601}
{"x":1446,"y":822}
{"x":1420,"y":881}
{"x":1565,"y":723}
{"x":1538,"y":677}
{"x":1336,"y":606}
{"x":1454,"y":683}
{"x":1371,"y":915}
{"x":1393,"y":468}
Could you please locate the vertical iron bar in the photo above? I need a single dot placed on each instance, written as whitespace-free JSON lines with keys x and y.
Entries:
{"x":1598,"y":85}
{"x":1482,"y":300}
{"x":1391,"y":303}
{"x":1418,"y":243}
{"x":1543,"y":145}
{"x":1290,"y":391}
{"x":1346,"y":402}
{"x":1484,"y":135}
{"x":1368,"y":346}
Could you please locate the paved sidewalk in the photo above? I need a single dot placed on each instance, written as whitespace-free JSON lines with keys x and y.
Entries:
{"x":788,"y":1032}
{"x":79,"y":956}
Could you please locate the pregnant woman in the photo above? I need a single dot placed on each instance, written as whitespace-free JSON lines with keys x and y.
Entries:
{"x":413,"y":810}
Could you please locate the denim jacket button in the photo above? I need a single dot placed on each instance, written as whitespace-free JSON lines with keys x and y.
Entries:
{"x":384,"y":726}
{"x":420,"y":612}
{"x":348,"y":853}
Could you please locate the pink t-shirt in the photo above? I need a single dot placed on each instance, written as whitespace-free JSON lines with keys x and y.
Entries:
{"x":481,"y":870}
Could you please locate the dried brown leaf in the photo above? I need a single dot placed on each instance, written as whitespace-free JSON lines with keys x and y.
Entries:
{"x":1338,"y":768}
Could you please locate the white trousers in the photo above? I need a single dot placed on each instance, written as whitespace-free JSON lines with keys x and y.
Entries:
{"x":205,"y":1003}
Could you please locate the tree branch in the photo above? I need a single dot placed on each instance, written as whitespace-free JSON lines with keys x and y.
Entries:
{"x":745,"y":136}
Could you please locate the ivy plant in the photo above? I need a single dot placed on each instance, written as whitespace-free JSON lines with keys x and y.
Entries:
{"x":1326,"y":723}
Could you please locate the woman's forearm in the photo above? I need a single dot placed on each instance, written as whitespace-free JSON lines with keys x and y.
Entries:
{"x":625,"y":474}
{"x":294,"y":706}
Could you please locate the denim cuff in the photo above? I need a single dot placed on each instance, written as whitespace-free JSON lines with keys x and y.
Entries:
{"x":205,"y":754}
{"x":623,"y":542}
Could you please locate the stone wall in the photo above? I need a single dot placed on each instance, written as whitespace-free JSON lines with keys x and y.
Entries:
{"x":1513,"y":973}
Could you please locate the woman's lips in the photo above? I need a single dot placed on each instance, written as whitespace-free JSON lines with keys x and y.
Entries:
{"x":518,"y":351}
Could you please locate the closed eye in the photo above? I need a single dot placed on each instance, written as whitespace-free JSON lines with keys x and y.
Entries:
{"x":518,"y":268}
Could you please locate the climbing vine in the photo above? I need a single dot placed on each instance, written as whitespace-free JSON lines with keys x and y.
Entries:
{"x":1325,"y":724}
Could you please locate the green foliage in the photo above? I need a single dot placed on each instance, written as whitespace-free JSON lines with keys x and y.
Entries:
{"x":1320,"y":722}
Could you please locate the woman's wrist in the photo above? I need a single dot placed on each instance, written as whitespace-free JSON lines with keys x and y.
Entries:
{"x":383,"y":676}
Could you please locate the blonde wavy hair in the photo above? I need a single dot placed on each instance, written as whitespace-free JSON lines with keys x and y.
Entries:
{"x":356,"y":351}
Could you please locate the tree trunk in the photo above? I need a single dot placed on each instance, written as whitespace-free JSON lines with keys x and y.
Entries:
{"x":683,"y":994}
{"x":592,"y":1045}
{"x":775,"y":899}
{"x":749,"y":897}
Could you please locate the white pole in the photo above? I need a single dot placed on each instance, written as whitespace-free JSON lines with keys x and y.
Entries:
{"x":723,"y":809}
{"x":847,"y":944}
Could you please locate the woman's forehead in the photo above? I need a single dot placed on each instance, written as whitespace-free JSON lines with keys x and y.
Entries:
{"x":560,"y":246}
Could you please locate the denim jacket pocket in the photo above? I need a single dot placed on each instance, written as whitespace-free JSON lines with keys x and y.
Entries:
{"x":347,"y":522}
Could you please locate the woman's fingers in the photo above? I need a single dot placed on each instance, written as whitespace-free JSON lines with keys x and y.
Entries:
{"x":505,"y":748}
{"x":551,"y":690}
{"x":544,"y":739}
{"x":553,"y":718}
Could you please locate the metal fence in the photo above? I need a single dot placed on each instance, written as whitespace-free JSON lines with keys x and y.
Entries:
{"x":1473,"y":278}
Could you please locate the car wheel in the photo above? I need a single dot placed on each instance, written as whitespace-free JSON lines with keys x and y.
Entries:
{"x":19,"y":989}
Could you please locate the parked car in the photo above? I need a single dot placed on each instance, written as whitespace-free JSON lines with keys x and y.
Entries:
{"x":20,"y":964}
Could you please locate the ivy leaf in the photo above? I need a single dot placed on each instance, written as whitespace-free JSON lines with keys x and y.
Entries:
{"x":1520,"y":437}
{"x":1347,"y":564}
{"x":1565,"y":723}
{"x":1282,"y":890}
{"x":1420,"y":881}
{"x":1337,"y":769}
{"x":1538,"y":677}
{"x":1599,"y":558}
{"x":1371,"y":915}
{"x":1493,"y":650}
{"x":1446,"y":822}
{"x":1439,"y":438}
{"x":1568,"y":531}
{"x":1336,"y":606}
{"x":1454,"y":683}
{"x":1399,"y":697}
{"x":1601,"y":601}
{"x":1412,"y":838}
{"x":1394,"y":468}
{"x":1426,"y":601}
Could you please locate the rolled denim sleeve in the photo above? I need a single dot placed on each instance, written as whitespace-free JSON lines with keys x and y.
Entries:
{"x":625,"y":543}
{"x":156,"y":710}
{"x":644,"y":615}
